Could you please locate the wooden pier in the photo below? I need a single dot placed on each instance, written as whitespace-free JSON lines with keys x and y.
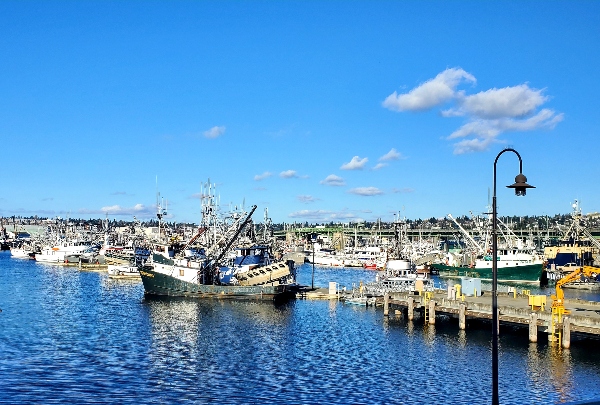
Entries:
{"x":513,"y":309}
{"x":532,"y":311}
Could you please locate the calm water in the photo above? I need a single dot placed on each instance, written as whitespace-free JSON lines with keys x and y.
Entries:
{"x":78,"y":337}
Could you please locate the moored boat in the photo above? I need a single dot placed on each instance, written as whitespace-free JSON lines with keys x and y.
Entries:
{"x":57,"y":253}
{"x":176,"y":270}
{"x":21,"y":253}
{"x":528,"y":273}
{"x":517,"y":261}
{"x":123,"y":272}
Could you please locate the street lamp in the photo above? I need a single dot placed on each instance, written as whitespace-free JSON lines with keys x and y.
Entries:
{"x":313,"y":240}
{"x":520,"y":187}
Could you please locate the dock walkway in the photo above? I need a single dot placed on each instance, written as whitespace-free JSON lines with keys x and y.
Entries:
{"x":581,"y":317}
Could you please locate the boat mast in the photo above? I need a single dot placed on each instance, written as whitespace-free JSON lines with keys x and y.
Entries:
{"x":210,"y":269}
{"x":466,"y":234}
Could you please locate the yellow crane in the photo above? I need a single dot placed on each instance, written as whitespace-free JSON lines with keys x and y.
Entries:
{"x":558,"y":300}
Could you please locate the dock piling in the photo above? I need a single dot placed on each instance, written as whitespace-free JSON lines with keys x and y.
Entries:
{"x":431,"y":304}
{"x":566,"y":335}
{"x":411,"y":308}
{"x":533,"y":330}
{"x":386,"y":304}
{"x":462,"y":317}
{"x":498,"y":320}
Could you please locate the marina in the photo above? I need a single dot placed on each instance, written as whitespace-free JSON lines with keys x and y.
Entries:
{"x":544,"y":300}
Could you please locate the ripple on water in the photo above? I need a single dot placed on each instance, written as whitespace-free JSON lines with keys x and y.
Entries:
{"x":75,"y":337}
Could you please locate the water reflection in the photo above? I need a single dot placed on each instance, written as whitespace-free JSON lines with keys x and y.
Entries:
{"x":410,"y":328}
{"x":561,"y":369}
{"x":429,"y":334}
{"x":72,"y":337}
{"x":462,"y":338}
{"x":551,"y":369}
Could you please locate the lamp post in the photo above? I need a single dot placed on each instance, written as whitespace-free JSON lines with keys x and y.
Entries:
{"x":520,"y":187}
{"x":313,"y":239}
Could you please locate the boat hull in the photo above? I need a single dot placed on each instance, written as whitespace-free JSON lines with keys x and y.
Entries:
{"x":159,"y":284}
{"x":524,"y":273}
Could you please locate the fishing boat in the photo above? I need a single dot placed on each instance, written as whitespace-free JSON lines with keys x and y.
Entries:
{"x":512,"y":266}
{"x":516,"y":260}
{"x":575,"y":248}
{"x":174,"y":269}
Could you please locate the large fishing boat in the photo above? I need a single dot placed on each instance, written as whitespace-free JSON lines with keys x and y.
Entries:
{"x":187,"y":270}
{"x":517,"y":260}
{"x":576,"y":247}
{"x":512,"y":265}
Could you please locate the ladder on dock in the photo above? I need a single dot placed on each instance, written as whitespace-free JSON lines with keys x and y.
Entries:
{"x":426,"y":298}
{"x":555,"y":335}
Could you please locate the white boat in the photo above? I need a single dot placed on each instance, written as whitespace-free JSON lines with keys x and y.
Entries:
{"x":123,"y":271}
{"x":371,"y":257}
{"x":331,"y":258}
{"x":362,"y":301}
{"x":398,"y":268}
{"x":400,"y":276}
{"x":411,"y":284}
{"x":20,"y":253}
{"x":325,"y":258}
{"x":590,"y":285}
{"x":57,"y":253}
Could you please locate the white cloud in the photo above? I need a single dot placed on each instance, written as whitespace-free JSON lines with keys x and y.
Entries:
{"x":404,"y":190}
{"x":365,"y":191}
{"x":321,"y":216}
{"x":307,"y":199}
{"x":214,"y":132}
{"x":116,"y":209}
{"x":433,"y":92}
{"x":355,"y":164}
{"x":263,"y":176}
{"x":393,"y":154}
{"x":473,"y":145}
{"x":517,"y":101}
{"x":333,"y":180}
{"x":139,"y":210}
{"x":288,"y":174}
{"x":488,"y":114}
{"x":24,"y":211}
{"x":379,"y":166}
{"x":485,"y":132}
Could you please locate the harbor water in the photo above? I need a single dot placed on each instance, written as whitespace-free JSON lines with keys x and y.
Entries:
{"x":76,"y":337}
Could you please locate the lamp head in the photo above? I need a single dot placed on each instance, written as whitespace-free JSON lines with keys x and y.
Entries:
{"x":520,"y":185}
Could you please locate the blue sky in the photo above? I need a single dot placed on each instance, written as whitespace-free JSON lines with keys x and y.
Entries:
{"x":317,"y":110}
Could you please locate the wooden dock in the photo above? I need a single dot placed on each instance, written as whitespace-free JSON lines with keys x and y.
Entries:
{"x":533,"y":311}
{"x":517,"y":309}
